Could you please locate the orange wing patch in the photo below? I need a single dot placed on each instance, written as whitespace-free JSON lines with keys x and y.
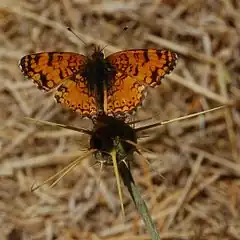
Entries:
{"x":124,"y":95}
{"x":48,"y":70}
{"x":148,"y":66}
{"x":74,"y":93}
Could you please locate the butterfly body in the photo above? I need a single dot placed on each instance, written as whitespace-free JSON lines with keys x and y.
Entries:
{"x":98,"y":73}
{"x":93,"y":84}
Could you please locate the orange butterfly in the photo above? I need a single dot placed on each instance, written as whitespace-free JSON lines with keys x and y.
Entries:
{"x":91,"y":85}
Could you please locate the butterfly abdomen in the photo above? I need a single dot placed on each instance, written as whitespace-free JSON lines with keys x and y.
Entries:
{"x":99,"y":74}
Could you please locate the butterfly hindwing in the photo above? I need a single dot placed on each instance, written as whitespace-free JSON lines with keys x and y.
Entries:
{"x":75,"y":94}
{"x":124,"y":95}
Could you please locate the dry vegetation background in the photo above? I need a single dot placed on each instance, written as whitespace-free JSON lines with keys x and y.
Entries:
{"x":192,"y":186}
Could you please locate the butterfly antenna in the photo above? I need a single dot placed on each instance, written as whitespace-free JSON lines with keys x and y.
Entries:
{"x":70,"y":30}
{"x":123,"y":30}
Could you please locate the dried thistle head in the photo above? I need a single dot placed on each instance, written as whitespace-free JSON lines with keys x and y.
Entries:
{"x":110,"y":133}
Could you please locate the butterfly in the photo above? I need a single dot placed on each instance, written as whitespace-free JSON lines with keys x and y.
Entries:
{"x":91,"y":85}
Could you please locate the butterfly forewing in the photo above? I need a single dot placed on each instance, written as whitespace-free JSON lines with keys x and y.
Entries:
{"x":49,"y":69}
{"x":148,"y":66}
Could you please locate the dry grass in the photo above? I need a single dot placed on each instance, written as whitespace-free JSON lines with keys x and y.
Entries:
{"x":199,"y":194}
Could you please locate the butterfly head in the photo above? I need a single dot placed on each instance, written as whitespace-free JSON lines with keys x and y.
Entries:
{"x":98,"y":54}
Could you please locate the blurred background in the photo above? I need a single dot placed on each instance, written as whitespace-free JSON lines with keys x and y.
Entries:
{"x":191,"y":186}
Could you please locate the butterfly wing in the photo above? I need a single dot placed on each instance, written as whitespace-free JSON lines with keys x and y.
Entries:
{"x":148,"y":66}
{"x":49,"y":69}
{"x":136,"y":69}
{"x":75,"y":94}
{"x":124,"y":95}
